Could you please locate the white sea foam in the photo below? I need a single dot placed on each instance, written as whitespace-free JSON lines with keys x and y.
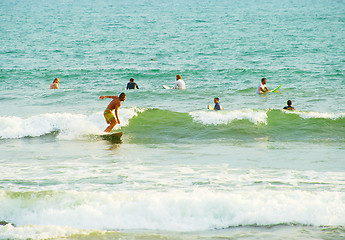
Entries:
{"x":226,"y":117}
{"x":307,"y":115}
{"x":172,"y":210}
{"x":69,"y":125}
{"x":37,"y":232}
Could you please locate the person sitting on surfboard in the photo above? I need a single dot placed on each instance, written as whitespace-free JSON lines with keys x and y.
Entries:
{"x":132,"y":84}
{"x":55,"y":84}
{"x":108,"y":114}
{"x":180,"y":84}
{"x":217,"y":106}
{"x":262,"y":87}
{"x":289,"y":106}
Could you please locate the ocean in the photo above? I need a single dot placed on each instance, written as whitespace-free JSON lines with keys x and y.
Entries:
{"x":180,"y":171}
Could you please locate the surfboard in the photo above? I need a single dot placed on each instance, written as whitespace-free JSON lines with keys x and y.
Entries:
{"x":166,"y":87}
{"x":113,"y":137}
{"x":276,"y":88}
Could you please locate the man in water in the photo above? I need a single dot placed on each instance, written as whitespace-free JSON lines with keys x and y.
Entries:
{"x":289,"y":106}
{"x":108,"y":114}
{"x":55,"y":84}
{"x":180,"y":84}
{"x":217,"y":106}
{"x":262,"y":87}
{"x":132,"y":84}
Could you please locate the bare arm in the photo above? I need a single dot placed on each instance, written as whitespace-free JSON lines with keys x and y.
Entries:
{"x":117,"y":117}
{"x":102,"y":97}
{"x":264,"y":89}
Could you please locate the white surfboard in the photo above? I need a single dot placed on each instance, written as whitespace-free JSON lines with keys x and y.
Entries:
{"x":166,"y":87}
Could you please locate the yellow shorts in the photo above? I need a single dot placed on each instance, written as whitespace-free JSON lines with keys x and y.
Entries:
{"x":109,"y":116}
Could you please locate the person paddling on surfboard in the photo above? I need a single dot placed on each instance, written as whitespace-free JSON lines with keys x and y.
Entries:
{"x":115,"y":104}
{"x":262,"y":87}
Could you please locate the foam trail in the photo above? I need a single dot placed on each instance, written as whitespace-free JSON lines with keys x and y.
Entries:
{"x":226,"y":117}
{"x":38,"y":232}
{"x":308,"y":115}
{"x":69,"y":125}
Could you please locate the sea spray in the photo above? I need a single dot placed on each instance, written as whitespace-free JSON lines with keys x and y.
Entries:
{"x":69,"y":126}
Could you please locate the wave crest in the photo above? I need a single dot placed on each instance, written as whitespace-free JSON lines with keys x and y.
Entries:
{"x":226,"y":117}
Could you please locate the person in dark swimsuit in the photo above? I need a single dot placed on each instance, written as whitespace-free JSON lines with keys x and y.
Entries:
{"x":132,"y":84}
{"x":217,"y":106}
{"x":289,"y":106}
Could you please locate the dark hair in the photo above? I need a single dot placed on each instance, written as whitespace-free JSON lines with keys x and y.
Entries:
{"x":122,"y":95}
{"x":263,"y":79}
{"x":217,"y":98}
{"x":289,"y":103}
{"x":131,"y":80}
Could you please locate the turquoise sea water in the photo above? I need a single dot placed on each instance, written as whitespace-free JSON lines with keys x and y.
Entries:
{"x":252,"y":171}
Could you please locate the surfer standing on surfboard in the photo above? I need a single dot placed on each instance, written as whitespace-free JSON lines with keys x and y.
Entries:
{"x":115,"y":104}
{"x":262,"y":87}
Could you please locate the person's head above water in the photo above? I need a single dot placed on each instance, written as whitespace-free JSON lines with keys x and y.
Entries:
{"x":178,"y":77}
{"x":122,"y":97}
{"x":289,"y":103}
{"x":131,"y":80}
{"x":263,"y":80}
{"x":216,"y":100}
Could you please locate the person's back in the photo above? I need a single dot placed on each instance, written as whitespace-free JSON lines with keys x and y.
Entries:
{"x":180,"y":84}
{"x":132,"y":84}
{"x":289,"y":106}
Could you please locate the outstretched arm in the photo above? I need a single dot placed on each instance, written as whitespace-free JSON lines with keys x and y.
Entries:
{"x":102,"y":97}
